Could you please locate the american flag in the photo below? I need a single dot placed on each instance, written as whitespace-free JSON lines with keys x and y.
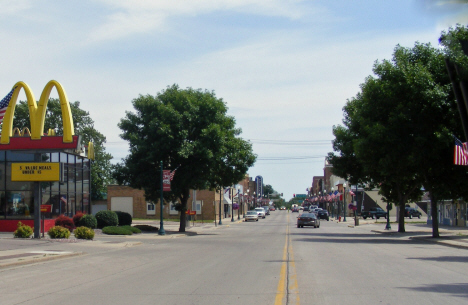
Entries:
{"x":4,"y":104}
{"x":64,"y":199}
{"x":171,"y":175}
{"x":461,"y":153}
{"x":351,"y":193}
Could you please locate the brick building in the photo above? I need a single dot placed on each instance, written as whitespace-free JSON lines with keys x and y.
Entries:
{"x":206,"y":203}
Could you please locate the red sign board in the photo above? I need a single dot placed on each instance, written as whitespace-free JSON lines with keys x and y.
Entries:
{"x":190,"y":212}
{"x":46,"y":208}
{"x":166,"y":180}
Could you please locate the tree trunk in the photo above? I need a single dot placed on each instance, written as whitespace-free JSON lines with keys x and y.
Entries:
{"x":435,"y":217}
{"x":183,"y":209}
{"x":401,"y":216}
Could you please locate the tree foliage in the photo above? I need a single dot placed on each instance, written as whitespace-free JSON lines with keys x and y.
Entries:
{"x":101,"y":174}
{"x":190,"y":131}
{"x":397,"y":131}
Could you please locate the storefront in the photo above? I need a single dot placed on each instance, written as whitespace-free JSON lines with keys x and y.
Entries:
{"x":67,"y":197}
{"x":39,"y":170}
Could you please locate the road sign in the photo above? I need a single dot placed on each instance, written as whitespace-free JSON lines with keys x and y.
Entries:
{"x":301,"y":195}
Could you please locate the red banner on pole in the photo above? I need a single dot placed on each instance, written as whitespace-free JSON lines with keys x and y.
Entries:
{"x":166,"y":180}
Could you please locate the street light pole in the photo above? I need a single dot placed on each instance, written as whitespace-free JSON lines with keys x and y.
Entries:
{"x":344,"y":202}
{"x":333,"y":203}
{"x":232,"y":204}
{"x":220,"y":200}
{"x":243,"y":203}
{"x":161,"y":230}
{"x":239,"y":203}
{"x":388,"y":226}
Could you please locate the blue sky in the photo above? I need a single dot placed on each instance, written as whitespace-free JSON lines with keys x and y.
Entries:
{"x":284,"y":68}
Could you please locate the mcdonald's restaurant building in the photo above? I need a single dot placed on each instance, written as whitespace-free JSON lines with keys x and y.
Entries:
{"x":41,"y":174}
{"x":68,"y":196}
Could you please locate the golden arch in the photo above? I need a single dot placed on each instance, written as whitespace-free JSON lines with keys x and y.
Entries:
{"x":37,"y":112}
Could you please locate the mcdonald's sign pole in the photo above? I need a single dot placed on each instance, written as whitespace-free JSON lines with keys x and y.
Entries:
{"x":161,"y":223}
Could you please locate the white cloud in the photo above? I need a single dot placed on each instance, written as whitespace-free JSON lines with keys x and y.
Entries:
{"x":130,"y":17}
{"x":13,"y":7}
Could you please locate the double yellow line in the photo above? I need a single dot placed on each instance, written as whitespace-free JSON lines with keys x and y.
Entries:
{"x":287,"y":291}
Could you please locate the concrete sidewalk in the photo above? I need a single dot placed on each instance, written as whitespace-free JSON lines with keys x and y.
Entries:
{"x":19,"y":251}
{"x":416,"y":229}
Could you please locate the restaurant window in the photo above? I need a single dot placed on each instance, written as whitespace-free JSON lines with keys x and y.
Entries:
{"x":19,"y":204}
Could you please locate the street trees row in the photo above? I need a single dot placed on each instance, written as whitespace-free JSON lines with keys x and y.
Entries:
{"x":397,"y":132}
{"x":190,"y":132}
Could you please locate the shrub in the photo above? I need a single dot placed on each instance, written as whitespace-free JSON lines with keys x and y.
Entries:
{"x":133,"y":229}
{"x":59,"y":232}
{"x":66,"y":222}
{"x":106,"y":219}
{"x":125,"y":219}
{"x":112,"y":230}
{"x":23,"y":231}
{"x":146,"y":228}
{"x":88,"y":221}
{"x":76,"y":218}
{"x":84,"y":233}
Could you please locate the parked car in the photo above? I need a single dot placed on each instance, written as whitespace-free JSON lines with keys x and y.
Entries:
{"x":412,"y":212}
{"x":260,"y":212}
{"x":272,"y":208}
{"x":312,"y":207}
{"x":301,"y":208}
{"x":295,"y":209}
{"x":374,"y":213}
{"x":308,"y":219}
{"x":323,"y":214}
{"x":251,"y":215}
{"x":267,"y":210}
{"x":315,"y":211}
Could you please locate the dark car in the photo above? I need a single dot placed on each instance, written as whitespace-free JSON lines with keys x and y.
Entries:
{"x":374,"y":212}
{"x":323,"y":214}
{"x":412,"y":212}
{"x":295,"y":209}
{"x":308,"y":219}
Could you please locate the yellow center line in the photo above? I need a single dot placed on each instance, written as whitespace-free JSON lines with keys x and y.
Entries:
{"x":281,"y":291}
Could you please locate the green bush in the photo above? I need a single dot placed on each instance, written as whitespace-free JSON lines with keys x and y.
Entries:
{"x":106,"y":219}
{"x":88,"y":221}
{"x":133,"y":229}
{"x":112,"y":230}
{"x":125,"y":219}
{"x":23,"y":231}
{"x":84,"y":233}
{"x":59,"y":232}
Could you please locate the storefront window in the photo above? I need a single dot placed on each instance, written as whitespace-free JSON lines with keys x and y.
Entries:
{"x":19,"y":157}
{"x":19,"y":204}
{"x":66,"y":197}
{"x":2,"y":205}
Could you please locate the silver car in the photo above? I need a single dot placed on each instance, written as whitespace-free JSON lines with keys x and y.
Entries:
{"x":251,"y":215}
{"x":260,"y":212}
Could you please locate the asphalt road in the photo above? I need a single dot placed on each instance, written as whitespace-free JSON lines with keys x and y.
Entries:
{"x":265,"y":262}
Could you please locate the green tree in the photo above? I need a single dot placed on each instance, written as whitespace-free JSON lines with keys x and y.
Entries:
{"x":398,"y":131}
{"x":268,"y":190}
{"x":188,"y":130}
{"x":101,"y":173}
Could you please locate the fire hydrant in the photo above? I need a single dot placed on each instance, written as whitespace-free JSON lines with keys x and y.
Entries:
{"x":339,"y":219}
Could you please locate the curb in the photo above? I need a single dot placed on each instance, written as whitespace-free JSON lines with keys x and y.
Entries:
{"x":35,"y":260}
